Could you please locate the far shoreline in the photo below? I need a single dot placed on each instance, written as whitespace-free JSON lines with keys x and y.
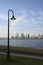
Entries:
{"x":21,"y":39}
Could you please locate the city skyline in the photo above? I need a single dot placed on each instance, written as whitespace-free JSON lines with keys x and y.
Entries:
{"x":28,"y":13}
{"x":26,"y":36}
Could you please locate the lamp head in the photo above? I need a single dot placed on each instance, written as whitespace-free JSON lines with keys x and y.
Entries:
{"x":13,"y":18}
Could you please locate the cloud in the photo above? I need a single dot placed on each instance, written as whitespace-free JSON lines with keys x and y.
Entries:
{"x":4,"y":17}
{"x":15,"y":24}
{"x":23,"y":12}
{"x":20,"y":19}
{"x":29,"y":22}
{"x":23,"y":17}
{"x":32,"y":12}
{"x":3,"y":31}
{"x":37,"y":17}
{"x":32,"y":21}
{"x":41,"y":13}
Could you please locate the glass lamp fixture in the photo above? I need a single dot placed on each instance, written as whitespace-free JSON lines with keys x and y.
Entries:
{"x":13,"y":18}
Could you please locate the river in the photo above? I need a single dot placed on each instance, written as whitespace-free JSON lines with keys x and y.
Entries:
{"x":35,"y":43}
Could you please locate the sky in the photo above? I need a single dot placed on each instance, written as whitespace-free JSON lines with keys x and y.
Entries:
{"x":28,"y":13}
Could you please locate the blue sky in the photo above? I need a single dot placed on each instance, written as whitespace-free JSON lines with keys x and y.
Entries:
{"x":28,"y":13}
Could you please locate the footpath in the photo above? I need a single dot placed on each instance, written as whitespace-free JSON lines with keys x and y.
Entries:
{"x":23,"y":55}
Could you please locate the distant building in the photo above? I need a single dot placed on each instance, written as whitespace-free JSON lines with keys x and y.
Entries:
{"x":27,"y":36}
{"x":12,"y":36}
{"x":41,"y":36}
{"x":34,"y":37}
{"x":17,"y":36}
{"x":22,"y":36}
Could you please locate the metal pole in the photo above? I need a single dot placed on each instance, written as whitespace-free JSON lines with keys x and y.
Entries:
{"x":8,"y":53}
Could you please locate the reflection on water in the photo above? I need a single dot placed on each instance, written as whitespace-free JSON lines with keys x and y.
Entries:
{"x":24,"y":43}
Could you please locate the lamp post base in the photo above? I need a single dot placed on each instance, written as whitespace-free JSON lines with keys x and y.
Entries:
{"x":8,"y":55}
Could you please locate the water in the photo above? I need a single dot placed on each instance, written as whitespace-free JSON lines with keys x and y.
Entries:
{"x":38,"y":44}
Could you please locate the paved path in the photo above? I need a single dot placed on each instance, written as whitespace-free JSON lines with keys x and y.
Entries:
{"x":28,"y":56}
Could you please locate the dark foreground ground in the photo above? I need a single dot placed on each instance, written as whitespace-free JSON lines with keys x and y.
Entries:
{"x":16,"y":60}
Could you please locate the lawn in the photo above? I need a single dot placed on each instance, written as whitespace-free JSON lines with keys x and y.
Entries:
{"x":15,"y":60}
{"x":23,"y":50}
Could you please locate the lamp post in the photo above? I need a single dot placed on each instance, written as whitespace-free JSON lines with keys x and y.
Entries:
{"x":13,"y":18}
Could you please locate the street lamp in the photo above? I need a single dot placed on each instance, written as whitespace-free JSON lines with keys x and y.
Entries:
{"x":13,"y":18}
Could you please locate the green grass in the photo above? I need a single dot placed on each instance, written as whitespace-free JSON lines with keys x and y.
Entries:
{"x":15,"y":60}
{"x":23,"y":50}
